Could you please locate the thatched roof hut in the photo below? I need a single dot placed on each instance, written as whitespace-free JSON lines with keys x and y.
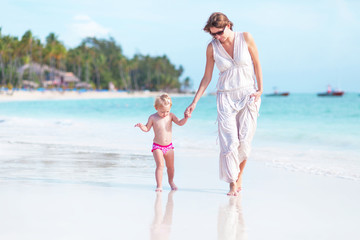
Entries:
{"x":48,"y":76}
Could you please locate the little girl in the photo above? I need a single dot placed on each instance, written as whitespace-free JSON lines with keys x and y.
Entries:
{"x":161,"y":121}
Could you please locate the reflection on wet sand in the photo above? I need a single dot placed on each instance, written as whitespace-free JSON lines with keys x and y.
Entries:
{"x":231,"y":221}
{"x":161,"y":226}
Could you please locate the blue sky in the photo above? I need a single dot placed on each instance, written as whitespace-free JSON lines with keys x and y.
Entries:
{"x":303,"y":45}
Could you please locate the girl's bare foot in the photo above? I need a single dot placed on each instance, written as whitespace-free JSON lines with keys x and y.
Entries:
{"x":232,"y":191}
{"x":173,"y":186}
{"x":158,"y":189}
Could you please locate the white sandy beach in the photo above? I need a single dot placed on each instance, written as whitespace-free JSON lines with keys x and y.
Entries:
{"x":275,"y":204}
{"x":73,"y":95}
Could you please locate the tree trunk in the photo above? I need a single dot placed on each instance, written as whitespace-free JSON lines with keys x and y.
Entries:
{"x":123,"y":77}
{"x":87,"y":72}
{"x":97,"y":77}
{"x":11,"y":69}
{"x":79,"y":71}
{"x":136,"y":86}
{"x":2,"y":71}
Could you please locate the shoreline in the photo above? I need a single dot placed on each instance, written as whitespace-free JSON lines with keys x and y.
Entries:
{"x":21,"y":95}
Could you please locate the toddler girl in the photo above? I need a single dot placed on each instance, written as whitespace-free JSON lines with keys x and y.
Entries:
{"x":161,"y":121}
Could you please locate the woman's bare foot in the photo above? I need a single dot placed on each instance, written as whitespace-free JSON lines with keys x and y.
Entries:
{"x":232,"y":191}
{"x":173,"y":186}
{"x":158,"y":189}
{"x":238,"y":184}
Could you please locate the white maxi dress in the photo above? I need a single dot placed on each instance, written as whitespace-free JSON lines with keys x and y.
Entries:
{"x":237,"y":111}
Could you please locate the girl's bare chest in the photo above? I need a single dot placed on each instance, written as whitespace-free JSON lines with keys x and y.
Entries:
{"x":163,"y":124}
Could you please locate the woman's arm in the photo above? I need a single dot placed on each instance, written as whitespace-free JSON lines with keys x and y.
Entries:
{"x":209,"y":67}
{"x":257,"y":67}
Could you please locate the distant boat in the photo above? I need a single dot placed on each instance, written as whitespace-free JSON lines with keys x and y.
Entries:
{"x":276,"y":94}
{"x":331,"y":93}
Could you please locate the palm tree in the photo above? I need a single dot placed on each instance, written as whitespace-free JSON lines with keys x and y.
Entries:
{"x":37,"y":56}
{"x":14,"y":62}
{"x":2,"y":54}
{"x":74,"y":61}
{"x":26,"y":47}
{"x":4,"y":49}
{"x":134,"y":72}
{"x":187,"y":84}
{"x":50,"y":52}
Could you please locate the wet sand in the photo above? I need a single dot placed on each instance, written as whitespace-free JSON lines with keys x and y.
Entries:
{"x":274,"y":204}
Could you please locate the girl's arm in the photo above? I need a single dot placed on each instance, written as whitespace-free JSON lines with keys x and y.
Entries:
{"x":176,"y":120}
{"x":205,"y":80}
{"x":146,"y":127}
{"x":255,"y":58}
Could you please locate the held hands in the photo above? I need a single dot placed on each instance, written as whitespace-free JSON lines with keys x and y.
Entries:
{"x":189,"y":110}
{"x":256,"y":95}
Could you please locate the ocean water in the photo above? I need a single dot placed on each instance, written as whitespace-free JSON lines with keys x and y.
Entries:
{"x":95,"y":142}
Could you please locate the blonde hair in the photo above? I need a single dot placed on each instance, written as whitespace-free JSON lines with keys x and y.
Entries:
{"x":162,"y":100}
{"x":218,"y":20}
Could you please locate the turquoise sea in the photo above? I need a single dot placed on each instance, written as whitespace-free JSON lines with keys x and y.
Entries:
{"x":53,"y":140}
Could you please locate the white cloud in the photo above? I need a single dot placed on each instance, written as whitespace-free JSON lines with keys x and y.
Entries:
{"x":84,"y":26}
{"x":81,"y":17}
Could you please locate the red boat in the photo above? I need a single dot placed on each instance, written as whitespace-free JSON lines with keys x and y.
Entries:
{"x":278,"y":94}
{"x":331,"y":93}
{"x":283,"y":94}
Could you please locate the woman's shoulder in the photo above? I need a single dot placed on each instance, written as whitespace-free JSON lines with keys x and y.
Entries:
{"x":247,"y":36}
{"x":210,"y":50}
{"x":210,"y":45}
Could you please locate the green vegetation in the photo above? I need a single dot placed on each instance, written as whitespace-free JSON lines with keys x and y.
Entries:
{"x":95,"y":61}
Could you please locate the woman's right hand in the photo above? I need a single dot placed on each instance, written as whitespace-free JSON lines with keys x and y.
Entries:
{"x":189,"y":110}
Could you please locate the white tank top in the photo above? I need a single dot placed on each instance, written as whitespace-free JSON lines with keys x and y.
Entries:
{"x":235,"y":73}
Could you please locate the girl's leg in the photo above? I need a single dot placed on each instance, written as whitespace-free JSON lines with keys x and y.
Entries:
{"x":169,"y":160}
{"x":158,"y":156}
{"x":239,"y":180}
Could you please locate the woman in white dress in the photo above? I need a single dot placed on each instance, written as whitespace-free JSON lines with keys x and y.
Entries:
{"x":239,"y":89}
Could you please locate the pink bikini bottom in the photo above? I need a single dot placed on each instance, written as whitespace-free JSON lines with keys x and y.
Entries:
{"x":164,"y":149}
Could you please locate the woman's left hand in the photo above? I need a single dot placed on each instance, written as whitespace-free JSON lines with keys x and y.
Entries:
{"x":256,"y":95}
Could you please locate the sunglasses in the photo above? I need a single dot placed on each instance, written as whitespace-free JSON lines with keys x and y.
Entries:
{"x":218,"y":33}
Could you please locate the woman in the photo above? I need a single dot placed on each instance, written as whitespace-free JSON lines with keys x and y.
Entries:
{"x":238,"y":94}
